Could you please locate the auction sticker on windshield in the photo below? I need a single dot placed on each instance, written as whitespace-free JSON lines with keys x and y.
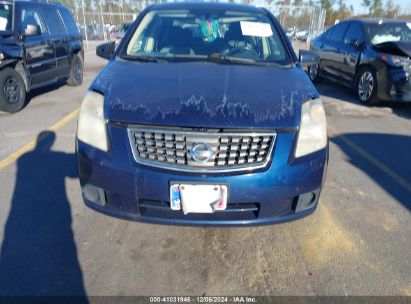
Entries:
{"x":257,"y":29}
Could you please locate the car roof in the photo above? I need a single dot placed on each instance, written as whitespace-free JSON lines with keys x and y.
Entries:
{"x":206,"y":5}
{"x":40,"y":2}
{"x":377,"y":20}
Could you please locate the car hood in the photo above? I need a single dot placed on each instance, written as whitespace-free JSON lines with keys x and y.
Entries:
{"x":199,"y":94}
{"x":400,"y":48}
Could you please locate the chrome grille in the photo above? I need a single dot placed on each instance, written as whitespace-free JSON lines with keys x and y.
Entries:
{"x":175,"y":149}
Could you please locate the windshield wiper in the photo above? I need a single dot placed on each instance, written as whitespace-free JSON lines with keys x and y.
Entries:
{"x":222,"y":58}
{"x":144,"y":58}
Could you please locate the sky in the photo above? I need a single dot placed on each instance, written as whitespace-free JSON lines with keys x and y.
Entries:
{"x":359,"y":9}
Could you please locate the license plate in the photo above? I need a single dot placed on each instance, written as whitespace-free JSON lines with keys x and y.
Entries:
{"x":198,"y":198}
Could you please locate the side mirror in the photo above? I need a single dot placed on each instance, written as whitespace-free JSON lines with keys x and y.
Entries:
{"x":106,"y":50}
{"x":31,"y":30}
{"x":308,"y":58}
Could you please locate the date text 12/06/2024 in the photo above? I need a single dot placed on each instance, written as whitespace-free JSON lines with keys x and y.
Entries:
{"x":203,"y":299}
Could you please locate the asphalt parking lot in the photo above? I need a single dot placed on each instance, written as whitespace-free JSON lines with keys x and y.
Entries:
{"x":356,"y":243}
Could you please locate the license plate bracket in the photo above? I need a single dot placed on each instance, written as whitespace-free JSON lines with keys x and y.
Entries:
{"x":198,"y":198}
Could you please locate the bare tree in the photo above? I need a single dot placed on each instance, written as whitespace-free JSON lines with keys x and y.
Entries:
{"x":366,"y":4}
{"x":376,"y":8}
{"x":391,"y":10}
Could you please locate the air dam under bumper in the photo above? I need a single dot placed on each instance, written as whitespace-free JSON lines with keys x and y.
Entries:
{"x":287,"y":189}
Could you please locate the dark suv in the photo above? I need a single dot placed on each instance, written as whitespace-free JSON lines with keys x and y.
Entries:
{"x":39,"y":45}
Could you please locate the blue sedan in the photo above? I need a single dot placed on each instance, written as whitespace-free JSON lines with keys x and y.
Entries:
{"x":203,"y":116}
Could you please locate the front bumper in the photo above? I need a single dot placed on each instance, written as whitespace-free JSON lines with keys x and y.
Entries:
{"x":394,"y":84}
{"x":113,"y":183}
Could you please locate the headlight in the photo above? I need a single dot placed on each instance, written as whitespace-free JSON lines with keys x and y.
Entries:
{"x":91,"y":124}
{"x":395,"y":60}
{"x":312,"y":135}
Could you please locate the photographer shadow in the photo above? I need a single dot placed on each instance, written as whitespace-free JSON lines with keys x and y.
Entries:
{"x":38,"y":253}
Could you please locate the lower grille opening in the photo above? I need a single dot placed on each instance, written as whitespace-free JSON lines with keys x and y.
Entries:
{"x":234,"y":211}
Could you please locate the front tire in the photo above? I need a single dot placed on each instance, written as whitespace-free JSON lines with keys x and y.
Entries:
{"x":12,"y":91}
{"x":314,"y":73}
{"x":76,"y":71}
{"x":366,"y":86}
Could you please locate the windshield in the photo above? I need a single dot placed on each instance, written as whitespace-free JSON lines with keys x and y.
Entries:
{"x":6,"y":14}
{"x":188,"y":35}
{"x":388,"y":32}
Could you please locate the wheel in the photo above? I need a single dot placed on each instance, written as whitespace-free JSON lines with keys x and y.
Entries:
{"x":12,"y":91}
{"x":366,"y":86}
{"x":314,"y":72}
{"x":76,"y":71}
